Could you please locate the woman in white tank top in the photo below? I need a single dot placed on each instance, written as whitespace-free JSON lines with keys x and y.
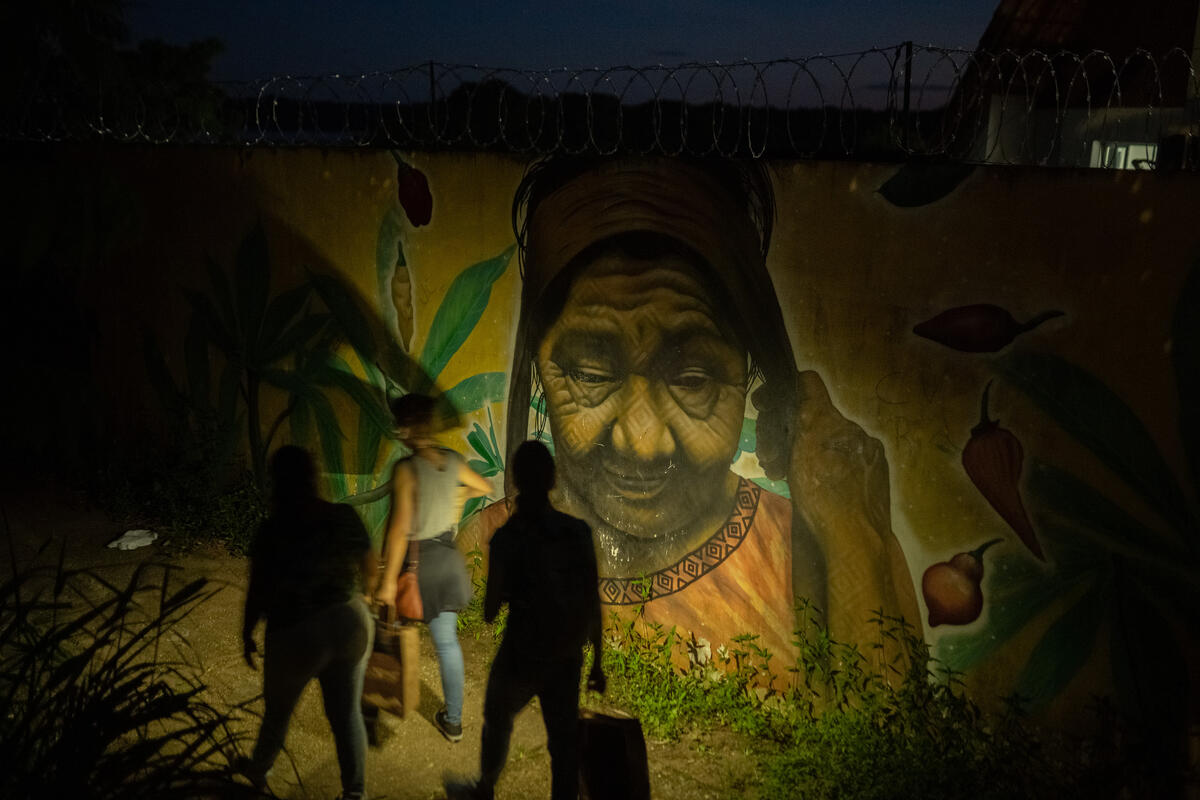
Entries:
{"x":425,"y":488}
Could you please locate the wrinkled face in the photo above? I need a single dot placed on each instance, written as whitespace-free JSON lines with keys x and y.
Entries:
{"x":645,"y":394}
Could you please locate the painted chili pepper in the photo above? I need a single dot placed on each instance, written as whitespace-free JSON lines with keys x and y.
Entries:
{"x":992,"y":459}
{"x":980,"y":328}
{"x":412,"y":188}
{"x":402,"y":300}
{"x":952,"y":589}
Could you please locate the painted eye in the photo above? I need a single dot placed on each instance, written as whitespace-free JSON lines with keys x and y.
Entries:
{"x":691,"y":379}
{"x":589,"y":375}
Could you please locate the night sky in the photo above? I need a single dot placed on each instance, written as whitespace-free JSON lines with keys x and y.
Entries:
{"x":278,"y":37}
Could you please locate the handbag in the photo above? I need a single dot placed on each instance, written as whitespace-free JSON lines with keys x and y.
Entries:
{"x":391,"y":682}
{"x":408,"y":590}
{"x":612,"y":757}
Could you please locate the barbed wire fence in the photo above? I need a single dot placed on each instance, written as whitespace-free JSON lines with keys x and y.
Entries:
{"x":895,"y":103}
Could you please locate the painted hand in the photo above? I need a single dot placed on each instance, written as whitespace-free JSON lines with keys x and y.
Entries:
{"x":838,"y":477}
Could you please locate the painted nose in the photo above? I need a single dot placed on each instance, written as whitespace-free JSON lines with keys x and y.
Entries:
{"x":640,"y":430}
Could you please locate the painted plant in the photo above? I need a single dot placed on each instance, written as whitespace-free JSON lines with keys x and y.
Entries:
{"x":1123,"y":573}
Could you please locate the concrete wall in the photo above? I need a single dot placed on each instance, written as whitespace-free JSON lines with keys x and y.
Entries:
{"x":643,"y":365}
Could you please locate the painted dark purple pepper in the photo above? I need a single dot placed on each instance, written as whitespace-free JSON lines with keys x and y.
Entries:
{"x":980,"y":328}
{"x":412,"y":188}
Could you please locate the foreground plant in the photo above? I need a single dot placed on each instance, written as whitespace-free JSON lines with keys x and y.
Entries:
{"x":100,"y":696}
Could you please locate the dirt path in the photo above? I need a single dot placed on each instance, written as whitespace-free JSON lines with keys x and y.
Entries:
{"x":412,"y":756}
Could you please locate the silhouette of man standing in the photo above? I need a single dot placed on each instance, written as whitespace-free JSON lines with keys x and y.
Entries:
{"x":543,"y":564}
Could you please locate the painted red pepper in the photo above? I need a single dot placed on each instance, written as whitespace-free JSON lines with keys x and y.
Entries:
{"x":992,"y":459}
{"x":412,"y":188}
{"x":980,"y":328}
{"x":952,"y":589}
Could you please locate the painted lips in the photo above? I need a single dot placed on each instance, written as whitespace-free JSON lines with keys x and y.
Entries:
{"x":636,"y":484}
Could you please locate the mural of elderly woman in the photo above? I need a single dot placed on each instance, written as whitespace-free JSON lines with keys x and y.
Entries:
{"x":647,"y":319}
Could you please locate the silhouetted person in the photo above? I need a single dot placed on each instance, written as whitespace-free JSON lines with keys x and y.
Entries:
{"x":542,"y":563}
{"x":307,"y":577}
{"x":426,"y":490}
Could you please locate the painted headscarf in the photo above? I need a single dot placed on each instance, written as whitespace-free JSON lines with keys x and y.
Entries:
{"x":720,"y":211}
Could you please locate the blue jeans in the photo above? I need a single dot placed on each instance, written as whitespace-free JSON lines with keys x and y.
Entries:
{"x":333,"y":646}
{"x":444,"y":630}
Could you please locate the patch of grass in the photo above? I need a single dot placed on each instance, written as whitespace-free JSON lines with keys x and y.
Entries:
{"x":895,"y":725}
{"x":470,"y":619}
{"x":843,"y":724}
{"x":191,"y":499}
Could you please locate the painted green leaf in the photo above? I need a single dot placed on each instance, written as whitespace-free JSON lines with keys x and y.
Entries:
{"x":480,"y":445}
{"x":1185,"y":355}
{"x":369,"y":400}
{"x":1149,"y":670}
{"x":1072,"y":550}
{"x":291,"y":382}
{"x":375,"y":518}
{"x":374,"y":375}
{"x":779,"y":487}
{"x":331,"y":437}
{"x":1106,"y":525}
{"x":159,"y":375}
{"x":1065,"y":647}
{"x":284,"y":311}
{"x":1085,"y":407}
{"x":1175,"y":583}
{"x":349,"y":315}
{"x":492,"y":436}
{"x":920,"y":183}
{"x":460,"y":310}
{"x":388,"y":251}
{"x":223,"y":295}
{"x":300,"y":422}
{"x":294,"y":338}
{"x":482,"y":467}
{"x":473,"y":393}
{"x":231,"y":386}
{"x":229,"y":435}
{"x":1017,"y":591}
{"x":253,"y":280}
{"x":221,"y":336}
{"x":366,"y":451}
{"x":748,"y":441}
{"x":380,"y":492}
{"x":471,"y":506}
{"x":195,"y":352}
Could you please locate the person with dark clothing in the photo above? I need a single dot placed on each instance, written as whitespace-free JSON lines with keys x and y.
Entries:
{"x":309,"y":564}
{"x":542,"y":563}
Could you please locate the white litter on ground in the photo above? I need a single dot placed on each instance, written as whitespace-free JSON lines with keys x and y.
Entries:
{"x":132,"y":540}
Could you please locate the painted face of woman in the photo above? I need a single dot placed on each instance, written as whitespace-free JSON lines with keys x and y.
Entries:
{"x":645,"y":392}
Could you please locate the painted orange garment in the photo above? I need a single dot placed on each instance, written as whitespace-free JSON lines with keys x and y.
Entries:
{"x":747,"y":587}
{"x":750,"y":591}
